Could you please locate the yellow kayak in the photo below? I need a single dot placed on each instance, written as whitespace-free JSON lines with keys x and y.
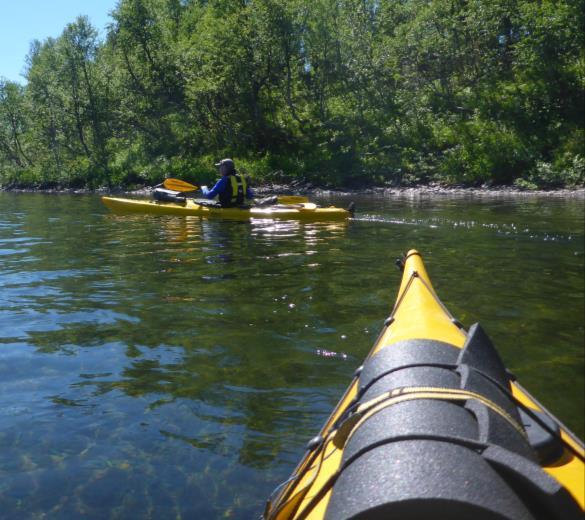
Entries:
{"x":434,"y":426}
{"x":303,"y":211}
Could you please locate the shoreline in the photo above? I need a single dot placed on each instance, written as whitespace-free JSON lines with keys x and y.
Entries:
{"x":310,"y":190}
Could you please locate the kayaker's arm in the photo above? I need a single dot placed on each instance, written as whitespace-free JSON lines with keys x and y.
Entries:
{"x":220,"y":186}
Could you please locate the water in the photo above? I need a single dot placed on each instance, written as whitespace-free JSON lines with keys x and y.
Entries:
{"x":167,"y":367}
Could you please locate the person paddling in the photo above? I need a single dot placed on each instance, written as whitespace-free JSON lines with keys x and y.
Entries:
{"x":232,"y":189}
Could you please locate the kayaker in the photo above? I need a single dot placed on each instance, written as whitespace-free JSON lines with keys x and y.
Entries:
{"x":232,"y":188}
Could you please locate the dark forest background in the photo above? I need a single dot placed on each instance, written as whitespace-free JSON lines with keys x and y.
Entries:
{"x":335,"y":92}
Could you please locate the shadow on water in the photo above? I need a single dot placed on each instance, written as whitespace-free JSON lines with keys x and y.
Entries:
{"x":163,"y":366}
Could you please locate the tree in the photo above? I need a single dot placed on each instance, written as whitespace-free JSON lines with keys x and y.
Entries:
{"x":67,"y":89}
{"x":338,"y":91}
{"x":14,"y":125}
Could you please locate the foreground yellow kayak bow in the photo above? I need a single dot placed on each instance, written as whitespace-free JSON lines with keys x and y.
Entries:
{"x":434,"y":426}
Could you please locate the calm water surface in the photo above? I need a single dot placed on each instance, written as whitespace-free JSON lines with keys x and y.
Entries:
{"x":168,"y":367}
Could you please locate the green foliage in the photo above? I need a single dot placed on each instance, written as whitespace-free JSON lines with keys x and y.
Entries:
{"x":337,"y":93}
{"x":478,"y":151}
{"x":566,"y":171}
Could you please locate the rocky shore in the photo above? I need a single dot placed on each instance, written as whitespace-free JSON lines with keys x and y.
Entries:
{"x":424,"y":190}
{"x":311,"y":190}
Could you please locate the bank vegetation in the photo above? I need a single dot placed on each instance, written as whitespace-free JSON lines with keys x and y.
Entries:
{"x":334,"y":92}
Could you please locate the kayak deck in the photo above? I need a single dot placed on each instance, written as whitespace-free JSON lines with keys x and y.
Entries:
{"x":433,"y":419}
{"x":301,"y":211}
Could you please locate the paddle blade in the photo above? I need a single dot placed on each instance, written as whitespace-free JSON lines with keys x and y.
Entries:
{"x":292,"y":199}
{"x":179,"y":185}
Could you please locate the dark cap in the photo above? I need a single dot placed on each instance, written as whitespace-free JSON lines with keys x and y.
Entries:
{"x":228,"y":163}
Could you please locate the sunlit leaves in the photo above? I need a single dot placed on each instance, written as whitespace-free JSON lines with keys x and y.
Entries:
{"x":340,"y":91}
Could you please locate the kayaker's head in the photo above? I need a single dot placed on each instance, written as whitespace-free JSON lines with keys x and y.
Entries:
{"x":226,"y":167}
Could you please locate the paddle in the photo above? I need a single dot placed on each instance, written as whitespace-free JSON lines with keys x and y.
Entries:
{"x":179,"y":185}
{"x":183,"y":186}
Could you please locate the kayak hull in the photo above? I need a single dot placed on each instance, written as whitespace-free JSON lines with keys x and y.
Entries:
{"x":302,"y":211}
{"x":433,"y":424}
